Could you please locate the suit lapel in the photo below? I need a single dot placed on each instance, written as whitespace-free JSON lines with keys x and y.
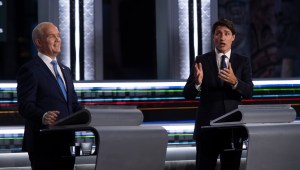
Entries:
{"x":213,"y":64}
{"x":44,"y":68}
{"x":66,"y":78}
{"x":234,"y":61}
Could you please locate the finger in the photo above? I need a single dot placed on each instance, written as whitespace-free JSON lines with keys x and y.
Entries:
{"x":48,"y":116}
{"x":51,"y":122}
{"x":222,"y":78}
{"x":48,"y":121}
{"x":197,"y":67}
{"x":227,"y":74}
{"x":224,"y":75}
{"x":54,"y":113}
{"x":229,"y":66}
{"x":224,"y":72}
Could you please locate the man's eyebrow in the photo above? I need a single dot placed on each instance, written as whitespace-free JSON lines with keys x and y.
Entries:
{"x":52,"y":34}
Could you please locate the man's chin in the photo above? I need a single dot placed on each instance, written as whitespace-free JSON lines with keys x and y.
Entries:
{"x":56,"y":52}
{"x":222,"y":49}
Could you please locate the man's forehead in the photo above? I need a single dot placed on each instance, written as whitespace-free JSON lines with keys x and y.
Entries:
{"x":51,"y":32}
{"x":222,"y":28}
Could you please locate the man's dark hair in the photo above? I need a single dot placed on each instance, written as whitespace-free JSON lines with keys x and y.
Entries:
{"x":223,"y":22}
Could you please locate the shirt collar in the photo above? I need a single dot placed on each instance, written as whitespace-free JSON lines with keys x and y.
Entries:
{"x":45,"y":58}
{"x":218,"y":54}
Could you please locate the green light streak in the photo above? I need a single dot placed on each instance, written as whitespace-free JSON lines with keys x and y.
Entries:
{"x":278,"y":89}
{"x":84,"y":137}
{"x":20,"y":138}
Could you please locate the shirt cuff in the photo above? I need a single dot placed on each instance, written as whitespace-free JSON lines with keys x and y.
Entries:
{"x":43,"y":120}
{"x":198,"y":87}
{"x":234,"y":86}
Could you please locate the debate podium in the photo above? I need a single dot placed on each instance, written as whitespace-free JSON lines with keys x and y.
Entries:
{"x":121,"y":141}
{"x":272,"y":132}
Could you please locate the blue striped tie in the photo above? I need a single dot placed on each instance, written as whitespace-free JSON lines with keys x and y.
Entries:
{"x":59,"y":79}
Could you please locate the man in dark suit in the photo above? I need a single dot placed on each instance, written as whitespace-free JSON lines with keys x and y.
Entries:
{"x":221,"y":90}
{"x":46,"y":94}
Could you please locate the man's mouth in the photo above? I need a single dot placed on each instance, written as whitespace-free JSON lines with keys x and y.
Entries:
{"x":222,"y":44}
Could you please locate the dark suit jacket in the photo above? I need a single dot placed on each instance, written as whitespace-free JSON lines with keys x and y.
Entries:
{"x":216,"y":98}
{"x":39,"y":92}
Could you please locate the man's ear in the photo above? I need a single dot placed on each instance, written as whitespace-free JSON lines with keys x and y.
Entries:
{"x":37,"y":42}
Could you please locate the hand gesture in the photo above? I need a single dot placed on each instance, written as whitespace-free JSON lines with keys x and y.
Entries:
{"x":227,"y":75}
{"x":50,"y":117}
{"x":198,"y":73}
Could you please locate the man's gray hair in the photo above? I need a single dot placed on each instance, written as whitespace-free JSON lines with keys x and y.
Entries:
{"x":38,"y":32}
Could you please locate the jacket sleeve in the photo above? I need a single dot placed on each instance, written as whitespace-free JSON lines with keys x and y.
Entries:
{"x":245,"y":84}
{"x":189,"y":90}
{"x":26,"y":91}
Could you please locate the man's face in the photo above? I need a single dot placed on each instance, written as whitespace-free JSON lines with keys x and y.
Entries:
{"x":223,"y":39}
{"x":50,"y":43}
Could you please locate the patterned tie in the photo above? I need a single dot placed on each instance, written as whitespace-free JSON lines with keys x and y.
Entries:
{"x":59,"y":79}
{"x":223,"y":63}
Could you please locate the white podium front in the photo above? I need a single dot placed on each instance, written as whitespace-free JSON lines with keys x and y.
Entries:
{"x":121,"y":142}
{"x":273,"y":135}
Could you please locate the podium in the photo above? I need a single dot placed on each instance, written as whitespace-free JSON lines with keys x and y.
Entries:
{"x":121,"y":141}
{"x":273,"y":135}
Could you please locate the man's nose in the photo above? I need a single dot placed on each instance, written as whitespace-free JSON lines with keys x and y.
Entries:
{"x":57,"y":38}
{"x":222,"y":36}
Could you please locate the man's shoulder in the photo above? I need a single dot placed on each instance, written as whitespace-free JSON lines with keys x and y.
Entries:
{"x":234,"y":54}
{"x":208,"y":54}
{"x":30,"y":63}
{"x":28,"y":69}
{"x":240,"y":58}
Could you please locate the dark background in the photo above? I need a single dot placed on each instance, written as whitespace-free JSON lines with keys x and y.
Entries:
{"x":267,"y":31}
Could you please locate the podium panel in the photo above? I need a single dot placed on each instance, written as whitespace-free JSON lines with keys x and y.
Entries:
{"x":121,"y":142}
{"x":273,"y":146}
{"x":131,"y":148}
{"x":273,"y":135}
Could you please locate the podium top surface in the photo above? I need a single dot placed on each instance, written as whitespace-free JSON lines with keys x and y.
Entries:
{"x":273,"y":113}
{"x":81,"y":117}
